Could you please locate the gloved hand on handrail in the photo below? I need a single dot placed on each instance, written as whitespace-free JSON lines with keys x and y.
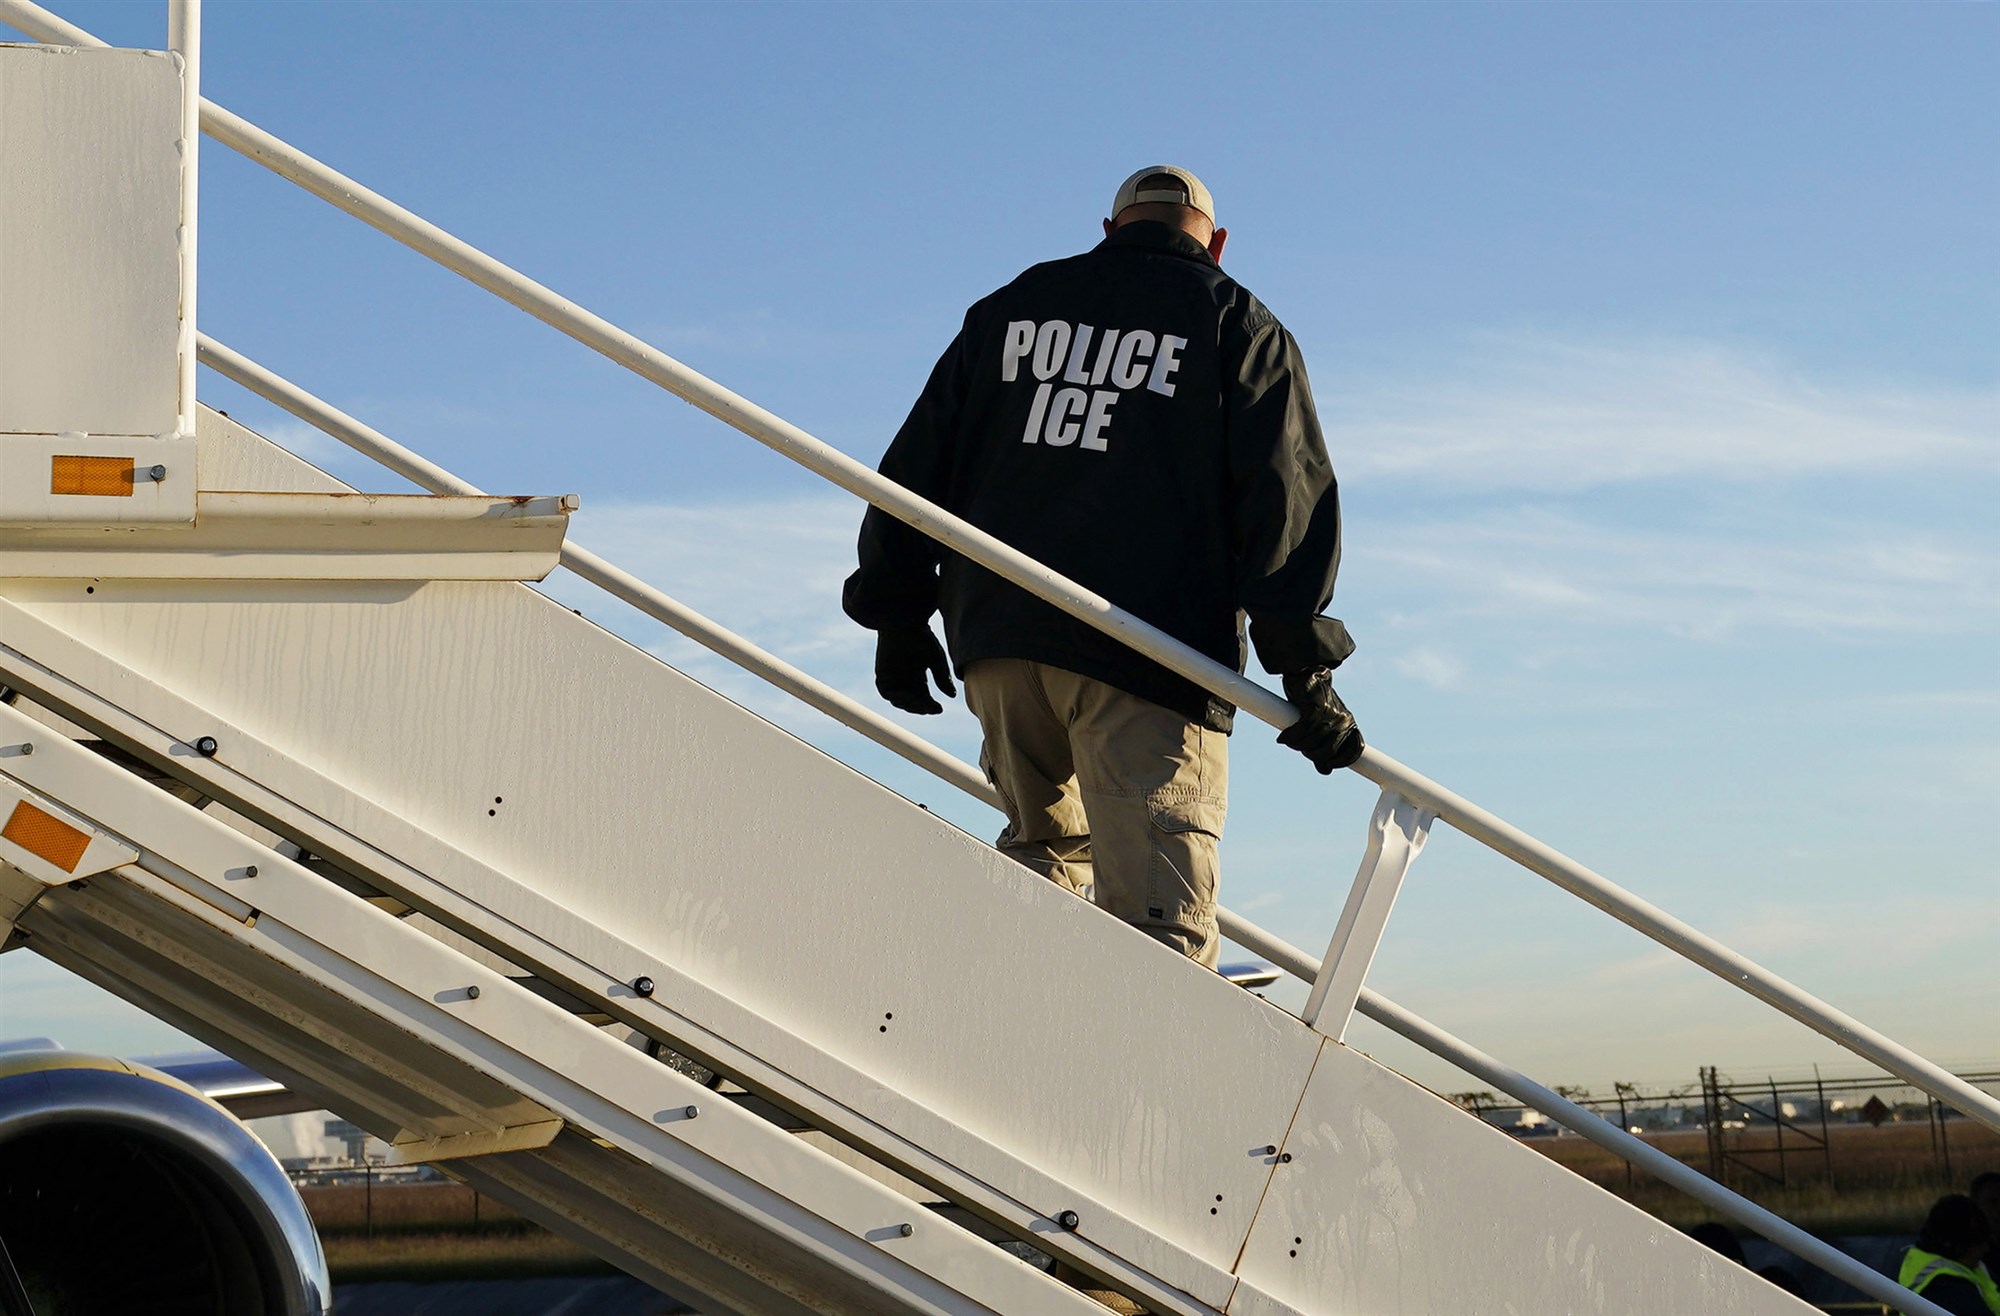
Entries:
{"x":1325,"y":731}
{"x":904,"y":657}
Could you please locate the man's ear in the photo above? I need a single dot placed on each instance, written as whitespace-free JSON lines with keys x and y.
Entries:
{"x":1108,"y":226}
{"x":1216,"y":243}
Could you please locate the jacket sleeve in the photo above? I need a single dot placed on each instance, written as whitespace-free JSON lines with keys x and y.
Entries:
{"x":897,"y":582}
{"x":1285,"y":506}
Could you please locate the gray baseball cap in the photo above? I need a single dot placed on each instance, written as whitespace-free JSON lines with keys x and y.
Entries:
{"x":1190,"y":193}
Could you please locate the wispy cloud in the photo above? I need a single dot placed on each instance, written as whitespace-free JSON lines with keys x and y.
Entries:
{"x":1519,"y":413}
{"x":769,"y":568}
{"x":1885,"y":931}
{"x":1432,"y":666}
{"x":1525,"y":412}
{"x":753,"y":331}
{"x":771,"y":572}
{"x":303,"y":440}
{"x":759,"y":332}
{"x":1940,"y":701}
{"x":1533,"y":564}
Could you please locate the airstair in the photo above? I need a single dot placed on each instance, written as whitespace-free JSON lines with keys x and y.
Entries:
{"x":536,"y":907}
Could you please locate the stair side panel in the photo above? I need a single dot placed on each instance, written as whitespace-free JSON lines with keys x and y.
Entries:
{"x":1394,"y":1201}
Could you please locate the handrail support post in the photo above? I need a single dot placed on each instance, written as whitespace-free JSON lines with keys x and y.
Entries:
{"x":1396,"y":835}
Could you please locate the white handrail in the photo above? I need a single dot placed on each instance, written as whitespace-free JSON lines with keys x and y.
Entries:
{"x":837,"y":467}
{"x":1592,"y":1126}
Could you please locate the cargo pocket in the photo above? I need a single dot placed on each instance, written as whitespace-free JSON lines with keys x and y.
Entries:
{"x":1175,"y":811}
{"x":1181,"y":877}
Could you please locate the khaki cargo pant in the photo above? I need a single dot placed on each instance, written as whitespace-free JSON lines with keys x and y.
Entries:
{"x":1109,"y":791}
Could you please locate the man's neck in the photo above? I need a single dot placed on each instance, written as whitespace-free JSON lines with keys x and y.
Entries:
{"x":1156,"y":234}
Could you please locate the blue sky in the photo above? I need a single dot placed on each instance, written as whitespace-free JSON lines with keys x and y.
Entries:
{"x":1658,"y":347}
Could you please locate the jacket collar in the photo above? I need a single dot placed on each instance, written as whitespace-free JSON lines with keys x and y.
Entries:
{"x":1152,"y":235}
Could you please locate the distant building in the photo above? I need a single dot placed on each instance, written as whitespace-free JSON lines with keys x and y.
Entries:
{"x":1522,"y":1123}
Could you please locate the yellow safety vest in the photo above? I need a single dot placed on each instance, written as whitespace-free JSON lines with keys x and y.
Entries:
{"x":1921,"y":1267}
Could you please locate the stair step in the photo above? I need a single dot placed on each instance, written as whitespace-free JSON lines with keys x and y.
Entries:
{"x":318,"y":864}
{"x":145,"y":771}
{"x":555,"y":995}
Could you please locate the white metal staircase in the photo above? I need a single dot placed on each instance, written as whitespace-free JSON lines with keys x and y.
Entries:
{"x":582,"y":813}
{"x":473,"y":865}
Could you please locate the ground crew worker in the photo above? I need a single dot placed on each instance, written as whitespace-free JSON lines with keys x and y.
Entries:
{"x":1944,"y":1263}
{"x":1133,"y":418}
{"x":1984,"y":1190}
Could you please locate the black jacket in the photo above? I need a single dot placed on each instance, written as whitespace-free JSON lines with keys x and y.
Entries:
{"x":1136,"y":420}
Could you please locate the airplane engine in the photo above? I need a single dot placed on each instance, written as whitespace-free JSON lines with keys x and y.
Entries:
{"x":123,"y":1190}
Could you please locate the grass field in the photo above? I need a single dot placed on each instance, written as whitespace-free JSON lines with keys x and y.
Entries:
{"x":522,"y":1252}
{"x":435,"y":1231}
{"x":1883,"y":1180}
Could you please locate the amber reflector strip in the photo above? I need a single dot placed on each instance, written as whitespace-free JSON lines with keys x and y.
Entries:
{"x":43,"y":834}
{"x":98,"y":477}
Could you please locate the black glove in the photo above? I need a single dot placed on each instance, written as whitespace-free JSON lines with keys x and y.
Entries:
{"x":1325,"y":731}
{"x":904,"y":656}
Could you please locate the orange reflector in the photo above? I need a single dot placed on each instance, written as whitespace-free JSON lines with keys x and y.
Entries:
{"x":97,"y":477}
{"x":44,"y":835}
